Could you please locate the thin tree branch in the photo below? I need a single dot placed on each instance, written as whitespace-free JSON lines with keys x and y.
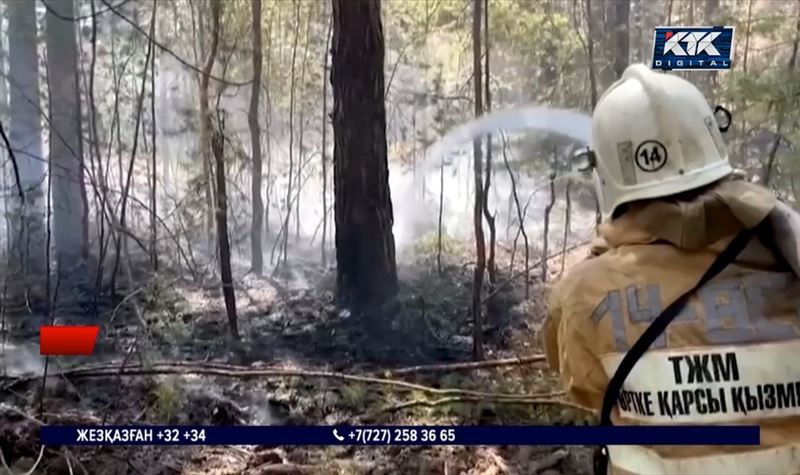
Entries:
{"x":13,"y":163}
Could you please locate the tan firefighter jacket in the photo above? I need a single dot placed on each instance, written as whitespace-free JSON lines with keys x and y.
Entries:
{"x":731,"y":357}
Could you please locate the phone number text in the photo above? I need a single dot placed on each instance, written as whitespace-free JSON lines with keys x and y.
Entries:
{"x":403,"y":436}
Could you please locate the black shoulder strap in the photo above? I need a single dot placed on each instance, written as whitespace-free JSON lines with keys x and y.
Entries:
{"x":653,"y":332}
{"x":662,"y":321}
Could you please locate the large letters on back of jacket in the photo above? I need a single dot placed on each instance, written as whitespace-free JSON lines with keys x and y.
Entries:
{"x":731,"y":357}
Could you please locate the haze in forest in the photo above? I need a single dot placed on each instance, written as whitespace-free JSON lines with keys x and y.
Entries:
{"x":283,"y":212}
{"x":132,"y":107}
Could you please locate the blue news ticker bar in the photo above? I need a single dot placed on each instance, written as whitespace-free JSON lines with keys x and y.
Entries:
{"x":400,"y":435}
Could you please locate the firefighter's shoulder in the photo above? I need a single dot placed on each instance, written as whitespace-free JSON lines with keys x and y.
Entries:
{"x":583,"y":280}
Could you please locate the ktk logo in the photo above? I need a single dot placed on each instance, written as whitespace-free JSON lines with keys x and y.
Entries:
{"x":692,"y":47}
{"x":696,"y":42}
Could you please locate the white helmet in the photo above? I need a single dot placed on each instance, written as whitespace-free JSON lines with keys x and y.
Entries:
{"x":654,"y":135}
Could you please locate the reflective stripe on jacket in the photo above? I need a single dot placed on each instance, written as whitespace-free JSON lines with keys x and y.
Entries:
{"x":731,"y":357}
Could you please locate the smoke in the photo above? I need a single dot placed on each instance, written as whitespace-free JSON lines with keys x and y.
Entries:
{"x":416,"y":202}
{"x":415,"y":190}
{"x":449,"y":158}
{"x":23,"y":359}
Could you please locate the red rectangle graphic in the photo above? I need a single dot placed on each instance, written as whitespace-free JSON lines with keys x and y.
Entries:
{"x":63,"y":340}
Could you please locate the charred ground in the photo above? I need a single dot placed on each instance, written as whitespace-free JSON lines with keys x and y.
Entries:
{"x":292,"y":336}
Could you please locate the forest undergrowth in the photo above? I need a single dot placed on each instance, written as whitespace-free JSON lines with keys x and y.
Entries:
{"x":154,"y":134}
{"x":162,"y":359}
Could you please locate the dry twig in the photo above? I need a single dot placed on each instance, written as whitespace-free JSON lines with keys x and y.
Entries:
{"x":232,"y":371}
{"x":543,"y":400}
{"x":452,"y":367}
{"x":542,"y":261}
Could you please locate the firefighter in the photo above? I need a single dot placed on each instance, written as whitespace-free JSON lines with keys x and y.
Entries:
{"x":671,"y":203}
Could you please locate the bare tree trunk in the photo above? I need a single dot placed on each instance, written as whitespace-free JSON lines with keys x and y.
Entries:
{"x":256,"y":227}
{"x":441,"y":210}
{"x":102,"y":199}
{"x":711,"y":18}
{"x":637,"y":53}
{"x":782,"y":110}
{"x":567,"y":219}
{"x":621,"y":36}
{"x":301,"y":158}
{"x":592,"y":91}
{"x":154,"y":166}
{"x":27,"y":228}
{"x":285,"y":230}
{"x":521,"y":219}
{"x":268,"y":123}
{"x":120,"y":174}
{"x":84,"y":216}
{"x":480,"y":244}
{"x":490,"y":220}
{"x":65,"y":135}
{"x":366,"y":272}
{"x":423,"y":188}
{"x":743,"y":106}
{"x":414,"y":145}
{"x":669,"y":12}
{"x":217,"y":144}
{"x":323,"y":246}
{"x":590,"y":52}
{"x":5,"y":154}
{"x":547,"y":210}
{"x":281,"y":33}
{"x":510,"y":222}
{"x":126,"y":189}
{"x":686,"y":74}
{"x":205,"y":121}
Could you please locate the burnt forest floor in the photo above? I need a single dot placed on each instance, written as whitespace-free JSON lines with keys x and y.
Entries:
{"x":288,"y":322}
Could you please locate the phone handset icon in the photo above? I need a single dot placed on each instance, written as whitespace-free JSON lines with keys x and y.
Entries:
{"x":337,"y":436}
